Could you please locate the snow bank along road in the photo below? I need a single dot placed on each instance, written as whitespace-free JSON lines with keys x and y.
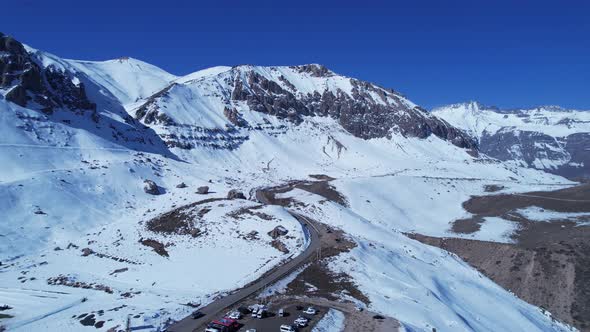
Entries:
{"x":217,"y":308}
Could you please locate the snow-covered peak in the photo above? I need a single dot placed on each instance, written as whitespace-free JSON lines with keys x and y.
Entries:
{"x":128,"y":79}
{"x":551,"y":120}
{"x":202,"y":73}
{"x":300,"y":80}
{"x":247,"y":96}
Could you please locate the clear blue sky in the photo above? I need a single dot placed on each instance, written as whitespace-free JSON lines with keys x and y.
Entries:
{"x":504,"y":53}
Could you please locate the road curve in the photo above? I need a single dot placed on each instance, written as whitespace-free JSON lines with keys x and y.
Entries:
{"x":216,"y":309}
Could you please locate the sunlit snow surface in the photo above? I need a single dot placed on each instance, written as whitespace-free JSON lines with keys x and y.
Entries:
{"x":65,"y":183}
{"x":333,"y":321}
{"x":539,"y":214}
{"x":422,"y":286}
{"x":551,"y":121}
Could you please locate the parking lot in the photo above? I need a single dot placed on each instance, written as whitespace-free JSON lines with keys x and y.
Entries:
{"x":273,"y":321}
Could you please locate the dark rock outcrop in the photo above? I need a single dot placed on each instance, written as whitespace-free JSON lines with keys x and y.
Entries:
{"x":278,"y":231}
{"x":235,"y":194}
{"x":234,"y":117}
{"x":203,"y":190}
{"x":87,"y":252}
{"x":150,"y":113}
{"x":158,"y":247}
{"x":280,"y":246}
{"x":314,"y":70}
{"x":266,"y":96}
{"x":27,"y":81}
{"x":150,"y":187}
{"x":369,"y":112}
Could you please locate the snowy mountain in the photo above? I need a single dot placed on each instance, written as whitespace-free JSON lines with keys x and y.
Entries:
{"x":549,"y":138}
{"x":105,"y":215}
{"x":229,"y":103}
{"x":128,"y":79}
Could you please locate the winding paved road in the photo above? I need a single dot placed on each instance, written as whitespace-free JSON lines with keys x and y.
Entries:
{"x":217,"y":308}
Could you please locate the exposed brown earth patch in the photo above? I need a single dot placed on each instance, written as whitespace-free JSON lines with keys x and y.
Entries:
{"x":158,"y":247}
{"x":280,"y":246}
{"x":181,"y":220}
{"x":541,"y":277}
{"x":467,"y":225}
{"x":326,"y":283}
{"x":319,"y":281}
{"x":549,"y":263}
{"x":324,"y":189}
{"x":574,"y":199}
{"x":251,"y":211}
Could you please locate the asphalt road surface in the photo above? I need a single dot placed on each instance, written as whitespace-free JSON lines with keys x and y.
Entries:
{"x":217,"y":308}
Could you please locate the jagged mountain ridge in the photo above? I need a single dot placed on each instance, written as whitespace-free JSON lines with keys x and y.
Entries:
{"x":38,"y":80}
{"x":549,"y":138}
{"x":288,"y":93}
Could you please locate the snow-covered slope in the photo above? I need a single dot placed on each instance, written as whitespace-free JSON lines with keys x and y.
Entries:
{"x":73,"y":166}
{"x":128,"y":79}
{"x":424,"y":287}
{"x":549,"y":138}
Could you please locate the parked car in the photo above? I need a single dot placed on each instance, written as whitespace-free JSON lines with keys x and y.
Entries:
{"x":223,"y":325}
{"x":311,"y":311}
{"x":255,"y":312}
{"x":251,"y":330}
{"x":301,"y":321}
{"x":197,"y":314}
{"x":261,"y":313}
{"x":244,"y":310}
{"x":234,"y":315}
{"x":288,"y":328}
{"x":281,"y":312}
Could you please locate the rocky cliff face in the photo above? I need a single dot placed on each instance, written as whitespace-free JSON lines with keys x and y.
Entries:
{"x":547,"y":138}
{"x":28,"y":84}
{"x":294,"y":94}
{"x":52,"y":92}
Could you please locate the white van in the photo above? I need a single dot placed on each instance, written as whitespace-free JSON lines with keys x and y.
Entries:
{"x":281,"y":312}
{"x":287,"y":328}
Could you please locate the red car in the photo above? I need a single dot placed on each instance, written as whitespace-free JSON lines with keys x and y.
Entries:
{"x":225,"y":325}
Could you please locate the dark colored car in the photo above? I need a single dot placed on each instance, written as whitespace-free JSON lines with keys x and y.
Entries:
{"x":197,"y":314}
{"x":243,"y":310}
